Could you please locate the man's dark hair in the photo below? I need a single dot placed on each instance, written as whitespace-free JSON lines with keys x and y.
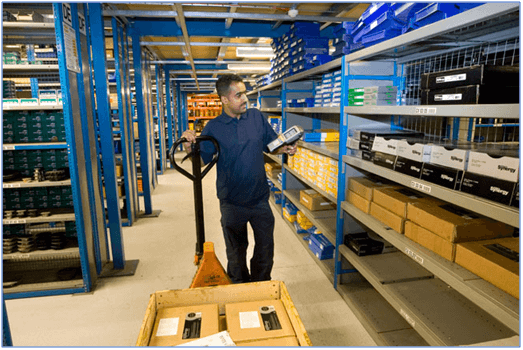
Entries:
{"x":225,"y":81}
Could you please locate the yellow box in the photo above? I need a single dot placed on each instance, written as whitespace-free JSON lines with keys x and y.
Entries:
{"x":289,"y":217}
{"x":221,"y":295}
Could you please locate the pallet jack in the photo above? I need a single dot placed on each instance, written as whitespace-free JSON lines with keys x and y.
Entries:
{"x":210,"y":271}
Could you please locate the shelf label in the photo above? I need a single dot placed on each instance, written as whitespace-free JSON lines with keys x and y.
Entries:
{"x":8,"y":147}
{"x":14,"y":222}
{"x":423,"y":110}
{"x":420,"y":187}
{"x":66,"y":14}
{"x":81,"y":24}
{"x":71,"y":49}
{"x":25,"y":256}
{"x":11,"y":185}
{"x":414,"y":256}
{"x":408,"y":318}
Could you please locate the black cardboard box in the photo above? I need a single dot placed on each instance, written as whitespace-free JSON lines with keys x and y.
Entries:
{"x":384,"y":160}
{"x":491,"y":188}
{"x":475,"y":75}
{"x":362,"y":244}
{"x":443,"y":176}
{"x":408,"y":167}
{"x":470,"y":95}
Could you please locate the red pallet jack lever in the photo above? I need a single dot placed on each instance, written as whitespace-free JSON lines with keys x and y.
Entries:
{"x":210,"y":271}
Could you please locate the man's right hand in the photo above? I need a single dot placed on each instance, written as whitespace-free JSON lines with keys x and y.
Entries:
{"x":190,"y":136}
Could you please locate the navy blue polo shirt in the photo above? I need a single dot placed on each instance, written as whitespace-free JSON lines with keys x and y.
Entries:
{"x":241,"y":178}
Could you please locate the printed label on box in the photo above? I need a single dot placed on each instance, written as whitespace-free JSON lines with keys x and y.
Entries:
{"x":269,"y":318}
{"x":192,"y":326}
{"x":249,"y":320}
{"x":448,"y":97}
{"x":167,"y":327}
{"x":451,"y":78}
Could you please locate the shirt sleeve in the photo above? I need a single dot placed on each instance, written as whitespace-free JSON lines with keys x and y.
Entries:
{"x":207,"y":149}
{"x":269,"y":133}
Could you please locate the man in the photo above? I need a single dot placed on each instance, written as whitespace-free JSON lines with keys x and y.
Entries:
{"x":241,"y":185}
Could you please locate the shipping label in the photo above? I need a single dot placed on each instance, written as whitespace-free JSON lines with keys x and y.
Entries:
{"x":451,"y":78}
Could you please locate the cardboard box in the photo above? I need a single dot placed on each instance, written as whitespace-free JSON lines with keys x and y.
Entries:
{"x":385,"y":145}
{"x":416,"y":151}
{"x":504,"y":168}
{"x":472,"y":94}
{"x":449,"y":157}
{"x":386,"y":217}
{"x":119,"y":170}
{"x":430,"y":241}
{"x":442,"y":175}
{"x":408,"y":167}
{"x":283,"y":341}
{"x":234,"y":293}
{"x":257,"y":320}
{"x":358,"y":201}
{"x":396,"y":199}
{"x":478,"y":74}
{"x":496,"y":261}
{"x":365,"y":186}
{"x":383,"y":159}
{"x":493,"y":189}
{"x":180,"y":325}
{"x":313,"y":201}
{"x":455,"y":224}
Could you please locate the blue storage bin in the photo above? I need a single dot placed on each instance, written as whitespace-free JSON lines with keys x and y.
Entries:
{"x":313,"y":43}
{"x":343,"y":28}
{"x":382,"y":35}
{"x":307,"y":28}
{"x":356,"y":46}
{"x":375,"y":10}
{"x":405,"y":11}
{"x":359,"y":25}
{"x":435,"y":11}
{"x":465,"y":6}
{"x":341,"y":45}
{"x":387,"y":21}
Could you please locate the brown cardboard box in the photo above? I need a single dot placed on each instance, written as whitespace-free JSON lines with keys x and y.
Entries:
{"x":245,"y":321}
{"x":364,"y":186}
{"x":358,"y":201}
{"x":430,"y":240}
{"x":170,"y":324}
{"x":312,"y":200}
{"x":496,"y":261}
{"x":284,"y":341}
{"x":386,"y":217}
{"x":119,"y":170}
{"x":396,"y":199}
{"x":455,"y":224}
{"x":271,"y":167}
{"x":135,"y":130}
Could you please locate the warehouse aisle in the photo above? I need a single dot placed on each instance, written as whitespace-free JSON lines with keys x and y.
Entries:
{"x":113,"y":313}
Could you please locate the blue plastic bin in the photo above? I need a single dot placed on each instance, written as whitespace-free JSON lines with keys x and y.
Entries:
{"x":382,"y":35}
{"x":387,"y":21}
{"x":436,"y":10}
{"x":405,"y":11}
{"x":372,"y":12}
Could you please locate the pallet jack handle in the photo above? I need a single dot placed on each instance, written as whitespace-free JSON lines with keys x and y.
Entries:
{"x":196,"y":178}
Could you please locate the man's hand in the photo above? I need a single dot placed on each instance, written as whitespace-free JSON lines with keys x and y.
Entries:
{"x":190,"y":136}
{"x":289,"y":149}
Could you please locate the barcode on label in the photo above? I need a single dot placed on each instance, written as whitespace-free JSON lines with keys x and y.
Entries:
{"x":422,"y":110}
{"x":414,"y":256}
{"x":420,"y":187}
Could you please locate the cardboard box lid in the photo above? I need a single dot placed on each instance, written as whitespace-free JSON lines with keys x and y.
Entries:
{"x":170,"y":324}
{"x":396,"y":199}
{"x":503,"y":252}
{"x":364,"y":186}
{"x":245,"y":321}
{"x":456,"y":224}
{"x":284,"y":341}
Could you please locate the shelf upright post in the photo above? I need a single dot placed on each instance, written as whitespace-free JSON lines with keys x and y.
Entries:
{"x":143,"y":125}
{"x":33,"y":81}
{"x":66,"y":26}
{"x":121,"y":58}
{"x":106,"y":134}
{"x":168,"y":97}
{"x":179,"y":107}
{"x":283,"y":96}
{"x":161,"y":117}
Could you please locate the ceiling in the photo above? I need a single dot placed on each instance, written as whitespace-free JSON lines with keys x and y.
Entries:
{"x":199,"y":37}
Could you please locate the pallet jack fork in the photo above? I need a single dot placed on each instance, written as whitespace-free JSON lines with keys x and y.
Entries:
{"x":210,"y":271}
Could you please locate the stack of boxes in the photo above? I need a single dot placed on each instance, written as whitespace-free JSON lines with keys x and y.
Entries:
{"x":300,"y":49}
{"x":38,"y":198}
{"x":11,"y":57}
{"x":46,"y":52}
{"x":318,"y":169}
{"x":321,"y":247}
{"x":33,"y":126}
{"x":9,"y":89}
{"x":419,"y":15}
{"x":342,"y":39}
{"x":8,"y":16}
{"x":373,"y":96}
{"x":26,"y":161}
{"x":328,"y":93}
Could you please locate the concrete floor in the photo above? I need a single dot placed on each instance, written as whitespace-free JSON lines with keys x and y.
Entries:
{"x":112,"y":314}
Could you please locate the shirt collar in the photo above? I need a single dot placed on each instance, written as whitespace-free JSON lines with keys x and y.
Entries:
{"x":226,"y":119}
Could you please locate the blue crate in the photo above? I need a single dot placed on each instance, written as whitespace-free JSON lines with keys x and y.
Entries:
{"x":358,"y":26}
{"x":291,"y":208}
{"x":304,"y":26}
{"x":436,"y":11}
{"x":386,"y":21}
{"x":314,"y":43}
{"x":321,"y":59}
{"x":356,"y":46}
{"x":342,"y":51}
{"x":343,"y":28}
{"x":341,"y":45}
{"x":405,"y":11}
{"x":315,"y":50}
{"x":465,"y":6}
{"x":372,"y":12}
{"x":377,"y":37}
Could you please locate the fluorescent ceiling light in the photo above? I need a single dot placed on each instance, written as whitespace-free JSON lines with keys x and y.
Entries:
{"x":264,"y":67}
{"x":255,"y":52}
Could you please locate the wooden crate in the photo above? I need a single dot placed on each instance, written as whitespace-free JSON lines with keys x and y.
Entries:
{"x":222,"y":295}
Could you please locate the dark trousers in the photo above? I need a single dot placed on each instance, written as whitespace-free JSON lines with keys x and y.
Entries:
{"x":234,"y":223}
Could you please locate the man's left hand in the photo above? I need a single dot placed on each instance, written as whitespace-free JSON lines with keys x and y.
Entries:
{"x":289,"y":149}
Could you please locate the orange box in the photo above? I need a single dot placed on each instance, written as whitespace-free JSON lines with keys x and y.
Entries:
{"x":386,"y":217}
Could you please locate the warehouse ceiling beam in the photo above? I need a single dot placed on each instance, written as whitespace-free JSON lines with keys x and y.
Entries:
{"x":228,"y":21}
{"x":224,"y":15}
{"x":279,"y":23}
{"x":222,"y":51}
{"x":180,"y":20}
{"x":343,"y":12}
{"x":207,"y":28}
{"x":206,"y":44}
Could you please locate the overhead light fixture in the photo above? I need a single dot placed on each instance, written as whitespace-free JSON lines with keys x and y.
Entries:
{"x":263,"y":67}
{"x":255,"y":52}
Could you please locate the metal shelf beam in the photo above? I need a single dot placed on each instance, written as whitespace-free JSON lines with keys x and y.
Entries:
{"x":8,"y":107}
{"x":46,"y":183}
{"x":329,"y":149}
{"x":319,"y":110}
{"x":508,"y":111}
{"x":34,"y":146}
{"x":52,"y":218}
